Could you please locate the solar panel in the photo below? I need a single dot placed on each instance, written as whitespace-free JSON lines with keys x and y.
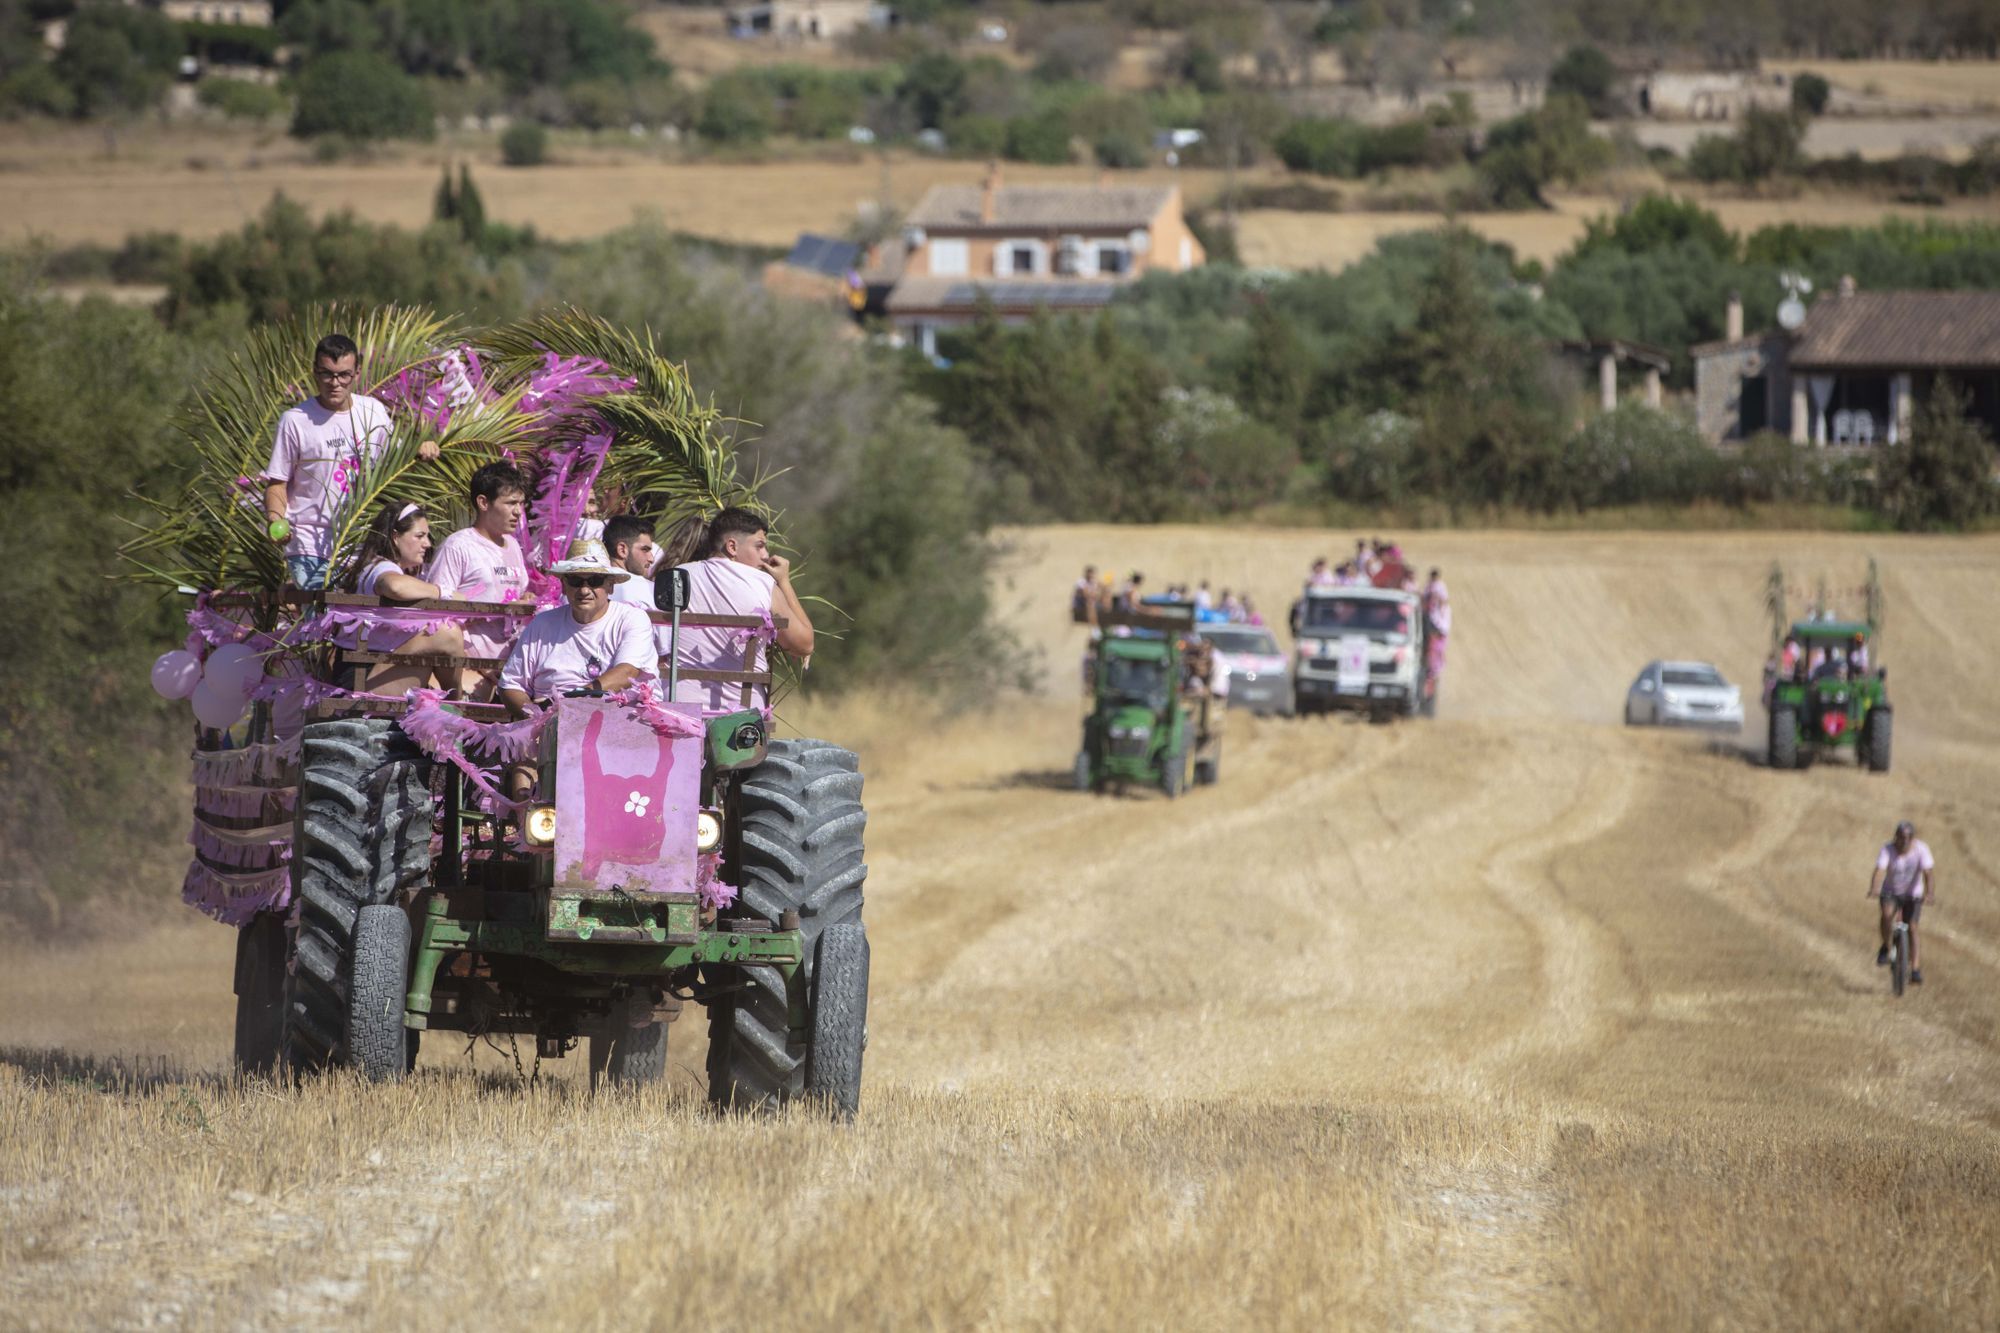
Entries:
{"x":823,"y":254}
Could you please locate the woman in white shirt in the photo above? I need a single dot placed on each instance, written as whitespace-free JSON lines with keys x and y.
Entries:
{"x":393,"y":551}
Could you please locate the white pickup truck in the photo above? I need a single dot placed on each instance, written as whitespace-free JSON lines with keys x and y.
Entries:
{"x":1361,"y":648}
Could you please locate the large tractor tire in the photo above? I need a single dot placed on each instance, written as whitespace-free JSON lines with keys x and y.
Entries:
{"x":1083,"y":770}
{"x":378,"y":1045}
{"x":1173,"y":772}
{"x":802,"y":827}
{"x":1875,"y":741}
{"x":628,"y":1057}
{"x":364,"y":837}
{"x":1783,"y":751}
{"x":260,"y":993}
{"x":839,"y":1020}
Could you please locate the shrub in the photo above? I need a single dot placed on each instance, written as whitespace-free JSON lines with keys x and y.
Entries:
{"x":524,"y":144}
{"x":1633,"y":455}
{"x":1327,"y":147}
{"x":976,"y":136}
{"x":240,"y":99}
{"x":1809,"y":94}
{"x":1716,"y":158}
{"x":362,"y":96}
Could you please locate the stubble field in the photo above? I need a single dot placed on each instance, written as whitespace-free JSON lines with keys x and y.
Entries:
{"x":1512,"y":1019}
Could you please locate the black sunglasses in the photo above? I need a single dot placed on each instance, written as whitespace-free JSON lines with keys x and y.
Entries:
{"x":585,"y":580}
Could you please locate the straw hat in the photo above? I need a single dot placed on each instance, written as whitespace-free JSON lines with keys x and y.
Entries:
{"x":588,"y":556}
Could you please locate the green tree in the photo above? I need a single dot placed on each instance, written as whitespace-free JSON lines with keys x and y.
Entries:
{"x":95,"y":794}
{"x":1550,"y":145}
{"x":116,"y":59}
{"x":933,"y":88}
{"x":471,"y":208}
{"x":1275,"y":372}
{"x":1657,"y":222}
{"x":1809,"y":94}
{"x":1942,"y":475}
{"x":1070,"y":413}
{"x":1041,"y":136}
{"x":1586,"y":73}
{"x":735,"y":110}
{"x":362,"y":96}
{"x":1769,"y":142}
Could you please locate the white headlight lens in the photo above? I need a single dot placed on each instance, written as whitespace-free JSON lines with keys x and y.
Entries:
{"x":707,"y":831}
{"x":540,"y":826}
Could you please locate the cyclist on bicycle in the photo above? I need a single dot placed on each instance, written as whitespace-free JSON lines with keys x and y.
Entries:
{"x":1904,"y":877}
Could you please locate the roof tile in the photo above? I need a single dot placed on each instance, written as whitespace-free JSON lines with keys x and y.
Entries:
{"x":1041,"y":207}
{"x":1946,"y":330}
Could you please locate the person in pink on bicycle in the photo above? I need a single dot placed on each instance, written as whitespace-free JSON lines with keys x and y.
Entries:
{"x":1905,"y":878}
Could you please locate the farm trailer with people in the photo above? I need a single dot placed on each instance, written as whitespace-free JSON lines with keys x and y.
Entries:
{"x":574,"y":869}
{"x":1153,"y":719}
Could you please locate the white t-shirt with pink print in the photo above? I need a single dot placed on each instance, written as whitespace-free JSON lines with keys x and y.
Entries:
{"x":470,"y":567}
{"x":319,"y":455}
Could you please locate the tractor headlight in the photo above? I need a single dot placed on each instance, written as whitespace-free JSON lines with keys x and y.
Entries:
{"x":539,"y":828}
{"x":707,"y":831}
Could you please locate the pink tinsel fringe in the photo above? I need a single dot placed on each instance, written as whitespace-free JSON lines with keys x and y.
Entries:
{"x":715,"y":894}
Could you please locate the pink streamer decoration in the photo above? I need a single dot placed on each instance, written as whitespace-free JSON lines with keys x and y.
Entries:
{"x":714,"y":893}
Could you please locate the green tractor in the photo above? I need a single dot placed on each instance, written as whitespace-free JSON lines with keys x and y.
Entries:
{"x":1830,"y":698}
{"x":1152,"y":722}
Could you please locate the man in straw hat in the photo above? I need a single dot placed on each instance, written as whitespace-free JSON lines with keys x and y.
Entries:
{"x":592,"y":641}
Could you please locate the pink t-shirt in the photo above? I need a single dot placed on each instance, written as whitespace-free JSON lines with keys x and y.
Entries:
{"x":554,"y":653}
{"x":318,"y":455}
{"x":719,"y":586}
{"x":381,"y":633}
{"x":637,"y":590}
{"x":1905,"y":878}
{"x":469,"y":568}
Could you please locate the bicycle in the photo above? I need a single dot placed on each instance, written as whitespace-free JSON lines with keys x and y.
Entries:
{"x":1899,"y":955}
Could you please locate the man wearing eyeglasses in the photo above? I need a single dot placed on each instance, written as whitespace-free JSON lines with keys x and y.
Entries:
{"x":317,"y":456}
{"x":592,"y":641}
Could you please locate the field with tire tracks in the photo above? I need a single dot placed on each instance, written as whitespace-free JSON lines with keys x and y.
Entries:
{"x":1517,"y":1018}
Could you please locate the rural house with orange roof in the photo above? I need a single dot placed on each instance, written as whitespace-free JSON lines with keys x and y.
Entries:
{"x":1025,"y":248}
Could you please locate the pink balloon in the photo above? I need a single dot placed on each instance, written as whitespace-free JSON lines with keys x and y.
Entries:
{"x":233,"y":669}
{"x":217,"y":708}
{"x":175,"y":674}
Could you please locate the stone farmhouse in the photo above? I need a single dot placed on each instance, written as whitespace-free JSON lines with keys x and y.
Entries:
{"x":1852,"y":373}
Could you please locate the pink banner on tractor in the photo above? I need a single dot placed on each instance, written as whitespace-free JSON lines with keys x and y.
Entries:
{"x":627,"y":799}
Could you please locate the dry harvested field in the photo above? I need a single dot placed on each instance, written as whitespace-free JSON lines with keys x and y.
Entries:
{"x":1513,"y":1019}
{"x":1284,"y":239}
{"x":1939,"y":83}
{"x":58,"y":186}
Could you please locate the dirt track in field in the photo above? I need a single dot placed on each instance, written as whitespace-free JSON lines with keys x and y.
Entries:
{"x":1512,"y":1019}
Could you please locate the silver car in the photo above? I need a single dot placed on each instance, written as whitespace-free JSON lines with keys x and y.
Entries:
{"x":1686,"y":694}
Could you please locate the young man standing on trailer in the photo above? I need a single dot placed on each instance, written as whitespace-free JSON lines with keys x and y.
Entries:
{"x":318,"y":454}
{"x":1905,"y":876}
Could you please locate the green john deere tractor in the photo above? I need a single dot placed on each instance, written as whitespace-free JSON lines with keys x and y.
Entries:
{"x":1833,"y":698}
{"x":1150,"y":723}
